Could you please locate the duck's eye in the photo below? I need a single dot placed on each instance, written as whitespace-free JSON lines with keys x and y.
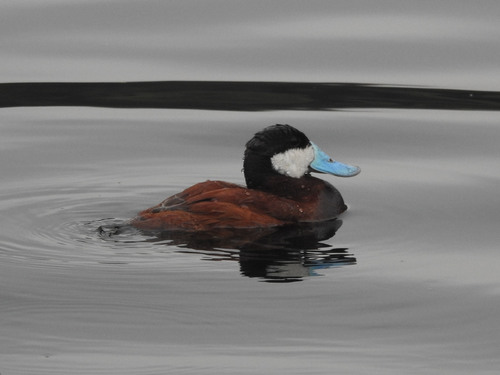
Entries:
{"x":330,"y":160}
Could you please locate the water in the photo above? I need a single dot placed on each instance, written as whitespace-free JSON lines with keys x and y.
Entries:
{"x":417,"y":288}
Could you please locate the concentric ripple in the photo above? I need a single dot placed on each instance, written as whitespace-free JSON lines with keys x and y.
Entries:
{"x":55,"y":225}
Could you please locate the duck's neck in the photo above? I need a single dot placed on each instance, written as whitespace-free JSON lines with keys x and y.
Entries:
{"x":260,"y":175}
{"x":258,"y":171}
{"x":327,"y":200}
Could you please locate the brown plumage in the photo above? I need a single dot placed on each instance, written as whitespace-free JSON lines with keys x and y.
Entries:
{"x":220,"y":204}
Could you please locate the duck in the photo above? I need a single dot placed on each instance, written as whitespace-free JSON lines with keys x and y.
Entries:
{"x":280,"y":190}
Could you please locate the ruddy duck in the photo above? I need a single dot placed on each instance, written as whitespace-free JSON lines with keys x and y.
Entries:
{"x":280,"y":189}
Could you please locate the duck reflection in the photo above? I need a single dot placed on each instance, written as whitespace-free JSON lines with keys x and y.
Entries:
{"x":279,"y":254}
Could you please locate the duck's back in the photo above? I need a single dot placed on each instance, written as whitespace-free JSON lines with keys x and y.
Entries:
{"x":217,"y":204}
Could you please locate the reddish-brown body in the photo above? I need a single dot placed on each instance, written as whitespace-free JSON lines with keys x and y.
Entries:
{"x":217,"y":204}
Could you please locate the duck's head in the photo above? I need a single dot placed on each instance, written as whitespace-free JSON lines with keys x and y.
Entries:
{"x":284,"y":150}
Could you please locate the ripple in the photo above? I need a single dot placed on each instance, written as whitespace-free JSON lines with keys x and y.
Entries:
{"x":51,"y":225}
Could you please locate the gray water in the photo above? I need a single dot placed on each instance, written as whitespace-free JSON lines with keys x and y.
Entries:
{"x":422,"y":294}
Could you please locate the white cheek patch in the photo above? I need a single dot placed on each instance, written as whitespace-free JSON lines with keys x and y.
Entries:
{"x":294,"y":162}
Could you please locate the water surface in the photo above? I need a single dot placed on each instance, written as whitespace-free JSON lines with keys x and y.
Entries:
{"x":409,"y":282}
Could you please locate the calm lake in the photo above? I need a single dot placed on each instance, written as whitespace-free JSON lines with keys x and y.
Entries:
{"x":408,"y":284}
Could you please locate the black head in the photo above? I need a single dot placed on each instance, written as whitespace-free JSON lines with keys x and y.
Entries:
{"x":276,"y":139}
{"x":271,"y":141}
{"x":285,"y":152}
